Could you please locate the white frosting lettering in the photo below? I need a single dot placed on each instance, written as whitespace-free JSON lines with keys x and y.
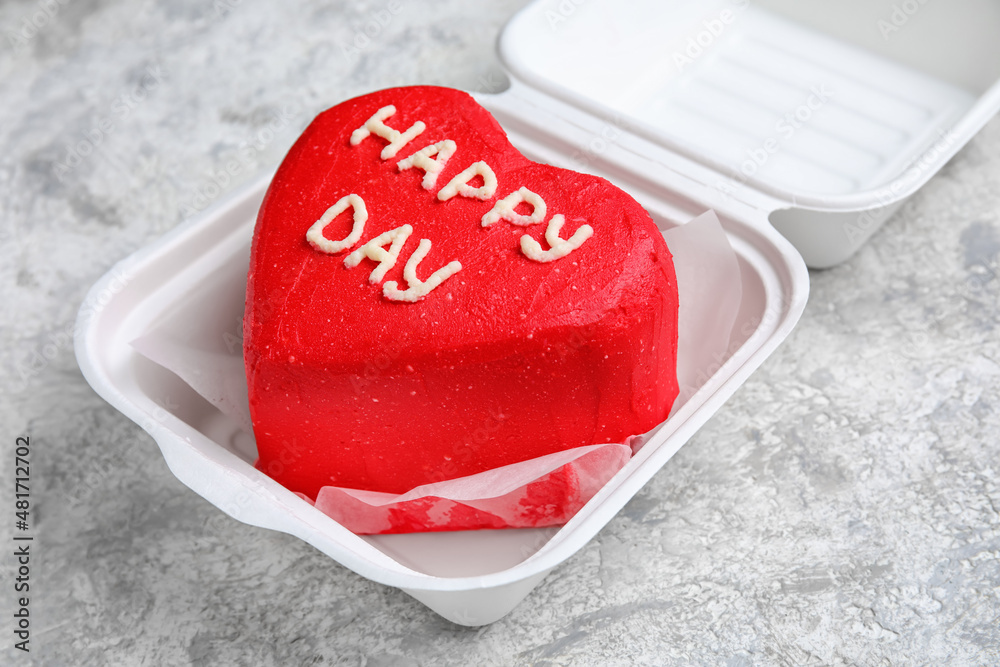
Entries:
{"x":323,"y":244}
{"x":505,"y":209}
{"x":560,"y":247}
{"x":431,"y":167}
{"x":376,"y":125}
{"x":460,"y":184}
{"x":375,"y":251}
{"x":418,"y":289}
{"x":385,"y":248}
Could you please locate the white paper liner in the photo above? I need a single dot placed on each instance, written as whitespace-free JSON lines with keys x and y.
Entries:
{"x":710,"y":290}
{"x":545,"y":491}
{"x":199,"y":348}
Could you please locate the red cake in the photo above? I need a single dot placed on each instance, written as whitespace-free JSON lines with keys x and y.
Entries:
{"x":425,"y":303}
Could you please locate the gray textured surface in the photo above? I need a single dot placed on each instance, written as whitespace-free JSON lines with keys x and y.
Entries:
{"x":841,"y":509}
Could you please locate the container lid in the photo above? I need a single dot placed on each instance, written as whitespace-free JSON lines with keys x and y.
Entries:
{"x":822,"y":105}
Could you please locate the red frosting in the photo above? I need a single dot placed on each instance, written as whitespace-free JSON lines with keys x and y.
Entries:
{"x":508,"y":359}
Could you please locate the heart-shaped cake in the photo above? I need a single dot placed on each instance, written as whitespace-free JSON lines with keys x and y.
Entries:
{"x":425,"y":303}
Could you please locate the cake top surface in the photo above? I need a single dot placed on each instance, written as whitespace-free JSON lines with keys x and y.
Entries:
{"x":425,"y":180}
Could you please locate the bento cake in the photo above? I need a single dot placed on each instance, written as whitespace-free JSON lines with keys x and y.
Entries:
{"x":425,"y":303}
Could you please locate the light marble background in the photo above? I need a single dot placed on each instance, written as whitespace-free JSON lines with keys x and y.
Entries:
{"x":842,"y":508}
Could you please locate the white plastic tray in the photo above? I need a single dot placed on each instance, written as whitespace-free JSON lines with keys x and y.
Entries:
{"x":198,"y":271}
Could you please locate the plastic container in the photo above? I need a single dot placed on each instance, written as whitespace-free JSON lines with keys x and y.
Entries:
{"x":567,"y":61}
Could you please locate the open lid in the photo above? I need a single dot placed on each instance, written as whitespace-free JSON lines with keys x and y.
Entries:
{"x":827,"y":106}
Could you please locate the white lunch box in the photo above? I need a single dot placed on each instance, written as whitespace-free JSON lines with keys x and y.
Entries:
{"x":812,"y":119}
